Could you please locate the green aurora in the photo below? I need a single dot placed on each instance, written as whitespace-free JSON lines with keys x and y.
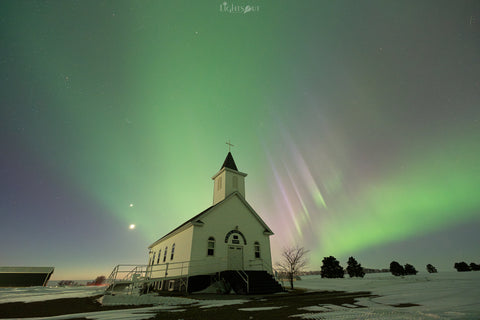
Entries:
{"x":354,"y":139}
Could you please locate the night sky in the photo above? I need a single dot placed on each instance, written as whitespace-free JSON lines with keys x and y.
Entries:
{"x":358,"y":123}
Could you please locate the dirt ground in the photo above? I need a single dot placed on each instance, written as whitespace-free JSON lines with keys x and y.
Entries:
{"x":289,"y":302}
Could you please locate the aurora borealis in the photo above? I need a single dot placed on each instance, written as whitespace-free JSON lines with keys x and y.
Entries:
{"x":358,"y":123}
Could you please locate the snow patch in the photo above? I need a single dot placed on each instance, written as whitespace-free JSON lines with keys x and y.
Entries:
{"x":219,"y":303}
{"x":446,"y":295}
{"x":124,"y":314}
{"x":260,"y":308}
{"x":33,"y":294}
{"x":146,"y":299}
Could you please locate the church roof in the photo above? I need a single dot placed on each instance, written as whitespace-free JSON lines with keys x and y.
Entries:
{"x":196,"y":219}
{"x":192,"y":220}
{"x":229,"y":162}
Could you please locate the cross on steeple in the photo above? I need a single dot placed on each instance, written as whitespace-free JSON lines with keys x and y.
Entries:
{"x":229,"y":145}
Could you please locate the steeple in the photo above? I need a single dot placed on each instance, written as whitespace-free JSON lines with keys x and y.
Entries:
{"x":228,"y":180}
{"x":229,"y":162}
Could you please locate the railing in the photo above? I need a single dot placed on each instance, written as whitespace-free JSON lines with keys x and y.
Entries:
{"x":244,"y":277}
{"x":260,"y":263}
{"x":135,"y":275}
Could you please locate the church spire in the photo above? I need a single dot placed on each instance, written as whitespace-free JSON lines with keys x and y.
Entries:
{"x":229,"y":162}
{"x":228,"y":180}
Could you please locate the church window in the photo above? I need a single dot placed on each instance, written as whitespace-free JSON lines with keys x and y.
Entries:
{"x":257,"y":249}
{"x":171,"y":285}
{"x":159,"y":255}
{"x":236,"y":234}
{"x":211,"y":246}
{"x":235,"y":240}
{"x":173,"y":252}
{"x":165,"y":254}
{"x":153,"y":260}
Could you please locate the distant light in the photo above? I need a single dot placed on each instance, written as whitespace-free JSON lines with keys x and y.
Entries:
{"x":131,"y":205}
{"x":131,"y":227}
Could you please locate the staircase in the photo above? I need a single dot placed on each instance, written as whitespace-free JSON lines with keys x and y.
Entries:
{"x":262,"y":282}
{"x":259,"y":282}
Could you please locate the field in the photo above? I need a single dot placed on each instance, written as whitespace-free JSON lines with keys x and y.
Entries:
{"x":446,"y":295}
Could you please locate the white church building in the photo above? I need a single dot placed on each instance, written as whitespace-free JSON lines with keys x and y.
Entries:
{"x":227,"y":242}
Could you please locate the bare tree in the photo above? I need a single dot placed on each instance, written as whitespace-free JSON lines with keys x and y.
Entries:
{"x":294,"y":259}
{"x":97,"y":282}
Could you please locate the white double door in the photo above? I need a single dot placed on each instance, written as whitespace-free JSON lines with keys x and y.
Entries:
{"x":235,"y":257}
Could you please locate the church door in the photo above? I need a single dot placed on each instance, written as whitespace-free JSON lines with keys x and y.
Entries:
{"x":235,"y":258}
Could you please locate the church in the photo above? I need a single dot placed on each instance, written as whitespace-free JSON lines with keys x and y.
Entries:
{"x":227,"y":243}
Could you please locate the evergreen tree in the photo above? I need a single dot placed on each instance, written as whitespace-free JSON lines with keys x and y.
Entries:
{"x":462,"y":266}
{"x":396,"y":269}
{"x":474,"y":266}
{"x":409,"y":269}
{"x":354,"y":269}
{"x":431,"y":269}
{"x":331,"y":268}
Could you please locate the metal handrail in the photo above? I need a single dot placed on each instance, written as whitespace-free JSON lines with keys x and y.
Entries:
{"x":126,"y":272}
{"x":244,"y":277}
{"x":261,"y":262}
{"x":149,"y":273}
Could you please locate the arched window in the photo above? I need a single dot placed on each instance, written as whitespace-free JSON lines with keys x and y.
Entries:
{"x":257,"y":249}
{"x":159,"y":255}
{"x":165,"y":254}
{"x":235,"y":238}
{"x":173,"y":251}
{"x":211,"y":246}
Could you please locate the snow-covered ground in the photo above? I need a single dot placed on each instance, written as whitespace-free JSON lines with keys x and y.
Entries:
{"x":446,"y":295}
{"x":32,"y":294}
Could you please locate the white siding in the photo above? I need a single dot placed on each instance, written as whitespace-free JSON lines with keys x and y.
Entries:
{"x":231,"y":186}
{"x":224,"y":218}
{"x":224,"y":184}
{"x":219,"y":188}
{"x":176,"y":266}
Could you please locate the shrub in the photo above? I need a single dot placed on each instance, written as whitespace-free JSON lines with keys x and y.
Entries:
{"x":462,"y":266}
{"x":474,"y":266}
{"x":97,"y":282}
{"x":354,"y":269}
{"x":67,"y":283}
{"x":409,"y":269}
{"x":431,"y":269}
{"x":396,"y":269}
{"x":331,"y":268}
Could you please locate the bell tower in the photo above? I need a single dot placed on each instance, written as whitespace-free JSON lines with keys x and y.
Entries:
{"x":228,"y":180}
